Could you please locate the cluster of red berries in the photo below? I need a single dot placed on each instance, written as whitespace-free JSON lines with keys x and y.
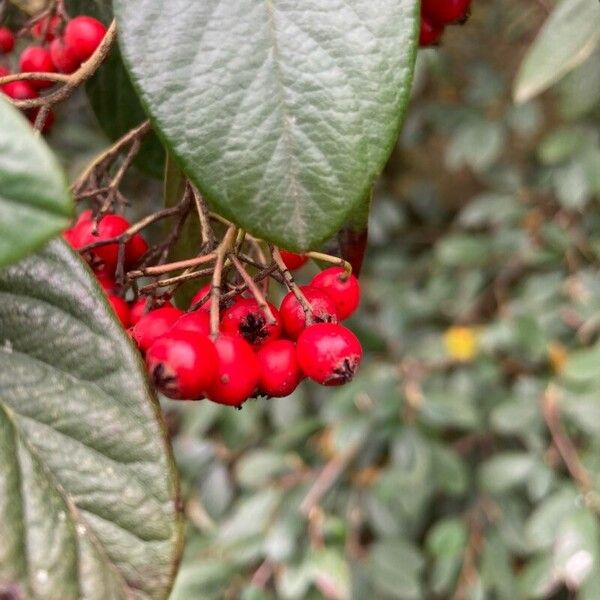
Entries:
{"x":259,"y":349}
{"x":436,"y":15}
{"x":104,"y":259}
{"x":61,"y":48}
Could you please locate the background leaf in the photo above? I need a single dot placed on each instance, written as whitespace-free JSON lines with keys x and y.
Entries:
{"x":88,"y":502}
{"x":281,"y":113}
{"x":35,"y":203}
{"x":113,"y":98}
{"x":566,"y":40}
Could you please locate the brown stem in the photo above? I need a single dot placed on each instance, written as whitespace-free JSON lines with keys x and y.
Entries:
{"x":254,"y":289}
{"x":289,"y":281}
{"x":335,"y":260}
{"x":175,"y":280}
{"x":174,"y":266}
{"x":56,"y":77}
{"x":206,"y":231}
{"x":215,"y":292}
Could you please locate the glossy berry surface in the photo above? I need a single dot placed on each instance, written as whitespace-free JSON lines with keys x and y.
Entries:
{"x":292,"y":260}
{"x":329,"y":354}
{"x":342,"y":288}
{"x":182,"y":364}
{"x":83,"y":35}
{"x":238,"y":371}
{"x":247,"y":319}
{"x":19,"y":90}
{"x":280,"y":372}
{"x":7,"y":40}
{"x":198,"y":321}
{"x":153,"y":325}
{"x":292,"y":313}
{"x":36,"y":59}
{"x":63,"y":57}
{"x":121,"y":309}
{"x":430,"y":33}
{"x":445,"y":12}
{"x":135,"y":249}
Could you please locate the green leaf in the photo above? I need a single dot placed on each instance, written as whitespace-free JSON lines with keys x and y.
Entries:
{"x":582,"y":365}
{"x":281,"y":113}
{"x":567,"y":39}
{"x":112,"y":97}
{"x":396,"y":567}
{"x":35,"y":203}
{"x":88,"y":492}
{"x":505,"y":471}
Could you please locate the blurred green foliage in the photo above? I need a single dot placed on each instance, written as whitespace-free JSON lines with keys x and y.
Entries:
{"x":463,"y":461}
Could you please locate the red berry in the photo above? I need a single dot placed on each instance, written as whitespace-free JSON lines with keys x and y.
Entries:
{"x":198,"y":321}
{"x":19,"y":90}
{"x":292,"y":260}
{"x":430,"y":33}
{"x":329,"y":353}
{"x":83,"y":35}
{"x":246,"y":318}
{"x":4,"y":71}
{"x":107,"y":283}
{"x":36,"y":59}
{"x":342,"y":288}
{"x":144,"y":305}
{"x":7,"y":40}
{"x":63,"y":58}
{"x":182,"y":364}
{"x":135,"y":249}
{"x":445,"y":12}
{"x":153,"y":325}
{"x":238,"y":371}
{"x":48,"y":25}
{"x":121,"y":309}
{"x":280,"y":372}
{"x":292,"y":313}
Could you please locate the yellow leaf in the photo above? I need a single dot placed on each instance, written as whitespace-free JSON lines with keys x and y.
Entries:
{"x":462,"y":343}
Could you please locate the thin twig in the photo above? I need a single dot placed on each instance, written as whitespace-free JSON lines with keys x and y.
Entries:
{"x":251,"y":285}
{"x":215,"y":292}
{"x":289,"y":281}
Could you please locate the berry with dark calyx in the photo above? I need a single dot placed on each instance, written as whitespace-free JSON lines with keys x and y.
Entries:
{"x":46,"y":28}
{"x":153,"y":325}
{"x":238,"y":371}
{"x":36,"y":59}
{"x":445,"y":12}
{"x":83,"y":35}
{"x":328,"y":353}
{"x":121,"y":309}
{"x":7,"y":40}
{"x":341,"y":287}
{"x":63,"y":57}
{"x":246,"y":318}
{"x":197,"y":321}
{"x":430,"y":33}
{"x":292,"y":260}
{"x":280,"y":372}
{"x":292,"y":313}
{"x":182,"y":364}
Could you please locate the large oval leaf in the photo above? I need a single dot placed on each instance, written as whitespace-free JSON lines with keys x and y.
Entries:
{"x":566,"y":40}
{"x":281,"y":112}
{"x":112,"y":97}
{"x":88,"y":495}
{"x":35,"y":203}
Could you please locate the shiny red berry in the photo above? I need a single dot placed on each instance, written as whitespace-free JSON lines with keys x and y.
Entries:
{"x":135,"y":249}
{"x":121,"y":309}
{"x":182,"y":364}
{"x":36,"y":59}
{"x":246,"y":318}
{"x":46,"y":28}
{"x":342,"y":288}
{"x":83,"y":35}
{"x":292,"y":260}
{"x":153,"y":325}
{"x":280,"y":372}
{"x":19,"y":90}
{"x":430,"y":33}
{"x":292,"y":313}
{"x":198,"y":321}
{"x":238,"y":371}
{"x":107,"y":283}
{"x":329,"y":353}
{"x":63,"y":57}
{"x":7,"y":40}
{"x":445,"y":12}
{"x":144,"y":305}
